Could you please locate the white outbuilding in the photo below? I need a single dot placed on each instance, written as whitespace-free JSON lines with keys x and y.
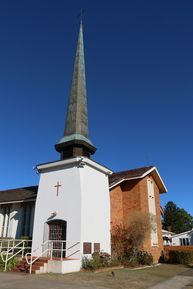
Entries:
{"x":183,"y":239}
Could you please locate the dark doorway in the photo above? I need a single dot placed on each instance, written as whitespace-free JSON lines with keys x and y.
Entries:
{"x":57,"y":234}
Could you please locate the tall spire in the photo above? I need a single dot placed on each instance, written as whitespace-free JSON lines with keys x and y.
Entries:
{"x":76,"y":140}
{"x":77,"y":117}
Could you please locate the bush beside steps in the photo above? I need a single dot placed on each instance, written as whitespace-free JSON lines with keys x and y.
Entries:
{"x":133,"y":258}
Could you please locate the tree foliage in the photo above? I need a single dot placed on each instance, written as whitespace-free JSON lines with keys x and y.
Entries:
{"x":132,"y":234}
{"x":176,"y":219}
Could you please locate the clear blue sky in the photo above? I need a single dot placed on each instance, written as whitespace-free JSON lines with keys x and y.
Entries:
{"x":139,"y":68}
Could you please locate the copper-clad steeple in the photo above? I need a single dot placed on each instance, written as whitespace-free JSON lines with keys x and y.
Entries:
{"x":76,"y":140}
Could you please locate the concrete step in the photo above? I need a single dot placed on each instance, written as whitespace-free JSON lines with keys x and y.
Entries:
{"x":24,"y":267}
{"x":39,"y":266}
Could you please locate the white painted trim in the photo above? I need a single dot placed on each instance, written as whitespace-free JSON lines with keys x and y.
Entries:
{"x":152,"y":211}
{"x":161,"y":179}
{"x":78,"y":160}
{"x":125,"y":179}
{"x":183,"y":233}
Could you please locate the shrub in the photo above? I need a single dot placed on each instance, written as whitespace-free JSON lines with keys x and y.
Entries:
{"x":144,"y":258}
{"x":120,"y":241}
{"x":134,"y":257}
{"x":87,"y":263}
{"x":10,"y":264}
{"x":2,"y":264}
{"x":139,"y":225}
{"x":130,"y":258}
{"x":104,"y":258}
{"x":27,"y":243}
{"x":132,"y":235}
{"x":98,"y":260}
{"x":180,"y":257}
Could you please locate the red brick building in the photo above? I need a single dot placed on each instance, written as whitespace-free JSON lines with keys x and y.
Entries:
{"x":138,"y":190}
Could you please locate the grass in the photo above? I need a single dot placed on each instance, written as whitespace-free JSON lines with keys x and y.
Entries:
{"x":123,"y":279}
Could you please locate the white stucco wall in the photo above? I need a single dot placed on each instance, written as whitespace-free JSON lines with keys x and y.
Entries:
{"x":6,"y":219}
{"x":62,"y":267}
{"x":95,"y":215}
{"x":14,"y":221}
{"x":67,"y":204}
{"x":83,"y":201}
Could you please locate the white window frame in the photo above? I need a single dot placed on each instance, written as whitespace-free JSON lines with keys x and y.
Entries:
{"x":152,"y":211}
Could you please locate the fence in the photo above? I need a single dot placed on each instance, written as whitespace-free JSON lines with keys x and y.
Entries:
{"x":10,"y":248}
{"x":178,"y":248}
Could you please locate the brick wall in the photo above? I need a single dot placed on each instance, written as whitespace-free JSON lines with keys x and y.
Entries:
{"x":116,"y":206}
{"x":131,"y":199}
{"x":133,"y":196}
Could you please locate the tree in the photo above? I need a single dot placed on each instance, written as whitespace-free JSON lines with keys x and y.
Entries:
{"x":176,"y":219}
{"x":131,"y":235}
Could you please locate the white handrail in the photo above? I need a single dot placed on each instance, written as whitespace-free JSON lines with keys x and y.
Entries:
{"x":6,"y":253}
{"x":10,"y":243}
{"x":43,"y":252}
{"x":49,"y":249}
{"x":33,"y":260}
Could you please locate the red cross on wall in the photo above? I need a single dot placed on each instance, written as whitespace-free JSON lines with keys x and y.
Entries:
{"x":57,"y":186}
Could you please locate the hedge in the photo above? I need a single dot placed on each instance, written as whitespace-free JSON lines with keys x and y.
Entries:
{"x":178,"y":257}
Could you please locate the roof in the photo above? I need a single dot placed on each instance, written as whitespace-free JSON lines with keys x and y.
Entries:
{"x":166,"y":232}
{"x":139,"y":173}
{"x":18,"y":195}
{"x":183,"y":233}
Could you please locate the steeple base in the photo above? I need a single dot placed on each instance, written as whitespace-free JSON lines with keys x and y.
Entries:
{"x":75,"y":149}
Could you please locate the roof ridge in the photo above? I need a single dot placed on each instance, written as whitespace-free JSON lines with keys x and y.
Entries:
{"x":136,"y":169}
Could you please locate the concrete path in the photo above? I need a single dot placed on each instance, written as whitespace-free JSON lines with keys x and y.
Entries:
{"x":177,"y":282}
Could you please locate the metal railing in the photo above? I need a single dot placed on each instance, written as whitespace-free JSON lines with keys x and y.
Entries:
{"x":10,"y":243}
{"x":56,"y":249}
{"x":10,"y":248}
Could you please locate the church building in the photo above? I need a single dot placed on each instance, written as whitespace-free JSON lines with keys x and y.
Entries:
{"x":66,"y":216}
{"x":135,"y":191}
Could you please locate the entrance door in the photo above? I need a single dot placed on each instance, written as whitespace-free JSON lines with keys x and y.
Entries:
{"x":57,"y":234}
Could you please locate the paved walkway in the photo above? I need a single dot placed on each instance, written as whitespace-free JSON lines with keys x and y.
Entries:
{"x":177,"y":282}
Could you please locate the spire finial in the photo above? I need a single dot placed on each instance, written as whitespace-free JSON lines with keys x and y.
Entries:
{"x":80,"y":15}
{"x":76,"y":140}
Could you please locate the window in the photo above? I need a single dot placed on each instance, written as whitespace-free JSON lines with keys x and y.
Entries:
{"x":26,"y":225}
{"x":152,"y":211}
{"x":5,"y":222}
{"x":184,"y":242}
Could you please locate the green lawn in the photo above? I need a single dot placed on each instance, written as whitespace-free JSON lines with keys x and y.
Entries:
{"x":123,"y":279}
